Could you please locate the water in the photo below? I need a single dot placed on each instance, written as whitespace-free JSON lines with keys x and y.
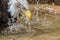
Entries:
{"x":16,"y":7}
{"x":45,"y":24}
{"x":41,"y":18}
{"x":36,"y":8}
{"x":26,"y":20}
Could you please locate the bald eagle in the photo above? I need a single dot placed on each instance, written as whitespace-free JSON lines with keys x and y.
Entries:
{"x":9,"y":9}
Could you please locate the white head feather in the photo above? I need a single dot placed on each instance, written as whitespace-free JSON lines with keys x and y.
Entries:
{"x":13,"y":5}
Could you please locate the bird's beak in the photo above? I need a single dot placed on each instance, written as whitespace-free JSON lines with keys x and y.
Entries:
{"x":27,"y":13}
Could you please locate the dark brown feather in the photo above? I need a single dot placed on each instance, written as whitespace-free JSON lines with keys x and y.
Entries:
{"x":4,"y":14}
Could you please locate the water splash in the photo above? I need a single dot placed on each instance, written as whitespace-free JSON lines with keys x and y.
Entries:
{"x":16,"y":7}
{"x":13,"y":6}
{"x":26,"y":23}
{"x":36,"y":10}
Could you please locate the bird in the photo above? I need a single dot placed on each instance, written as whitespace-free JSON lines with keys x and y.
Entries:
{"x":10,"y":9}
{"x":4,"y":15}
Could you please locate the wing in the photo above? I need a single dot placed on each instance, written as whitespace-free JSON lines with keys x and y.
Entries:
{"x":3,"y":14}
